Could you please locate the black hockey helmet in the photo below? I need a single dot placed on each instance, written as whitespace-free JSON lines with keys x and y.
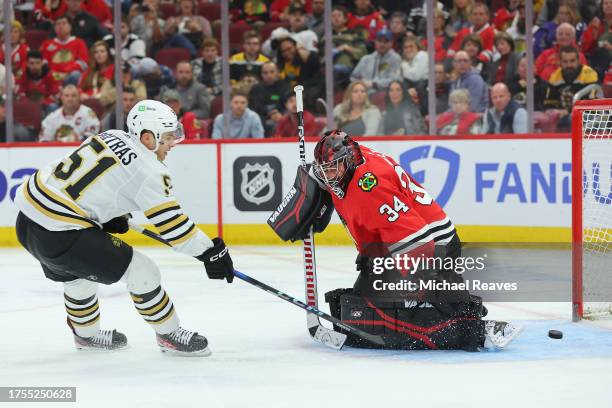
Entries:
{"x":336,"y":157}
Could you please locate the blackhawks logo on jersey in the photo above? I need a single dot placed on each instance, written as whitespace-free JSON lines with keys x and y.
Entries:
{"x":367,"y":182}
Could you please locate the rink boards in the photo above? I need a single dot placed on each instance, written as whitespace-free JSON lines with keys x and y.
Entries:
{"x":507,"y":188}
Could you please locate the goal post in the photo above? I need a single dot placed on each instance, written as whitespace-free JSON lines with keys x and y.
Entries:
{"x":592,"y":209}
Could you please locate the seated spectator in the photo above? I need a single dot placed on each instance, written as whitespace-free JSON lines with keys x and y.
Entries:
{"x":154,"y":76}
{"x":443,"y":39}
{"x":420,"y":94}
{"x":84,"y":25}
{"x":246,"y":83}
{"x":459,"y":16}
{"x":597,"y":40}
{"x":467,"y":77}
{"x":133,"y":49}
{"x":518,"y":87}
{"x":287,"y":125}
{"x":66,"y":55}
{"x":100,"y":10}
{"x":207,"y":69}
{"x":505,"y":66}
{"x":414,"y":61}
{"x":355,"y":115}
{"x":398,"y":27}
{"x":194,"y":95}
{"x":317,"y":18}
{"x":479,"y":19}
{"x":148,"y":25}
{"x":72,"y":122}
{"x":348,"y":47}
{"x":187,"y":29}
{"x":503,"y":16}
{"x":548,"y":61}
{"x":243,"y":122}
{"x":402,"y":116}
{"x":546,"y":36}
{"x":517,"y":29}
{"x":378,"y":69}
{"x":267,"y":97}
{"x":564,"y":83}
{"x":108,"y":92}
{"x":472,"y":44}
{"x":249,"y":60}
{"x":298,"y":30}
{"x":252,"y":12}
{"x":506,"y":115}
{"x":298,"y":65}
{"x":19,"y":49}
{"x":37,"y":84}
{"x":192,"y":126}
{"x":47,"y":11}
{"x":101,"y":69}
{"x":366,"y":17}
{"x":110,"y":120}
{"x":459,"y":120}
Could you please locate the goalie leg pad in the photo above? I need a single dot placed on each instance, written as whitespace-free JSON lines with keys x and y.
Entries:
{"x":409,"y":325}
{"x":305,"y":205}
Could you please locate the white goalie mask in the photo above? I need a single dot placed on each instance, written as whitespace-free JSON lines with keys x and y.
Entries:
{"x":156,"y":117}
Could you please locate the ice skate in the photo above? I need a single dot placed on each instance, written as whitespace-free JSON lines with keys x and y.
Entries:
{"x":103,"y":340}
{"x":184,"y":342}
{"x":499,"y":334}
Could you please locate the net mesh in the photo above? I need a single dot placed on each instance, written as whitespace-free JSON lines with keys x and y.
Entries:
{"x":597,"y":212}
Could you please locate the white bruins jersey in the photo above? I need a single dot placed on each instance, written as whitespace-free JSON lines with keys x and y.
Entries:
{"x":107,"y":176}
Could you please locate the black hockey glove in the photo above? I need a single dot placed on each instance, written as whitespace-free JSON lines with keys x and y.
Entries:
{"x":118,"y":225}
{"x":218,"y":262}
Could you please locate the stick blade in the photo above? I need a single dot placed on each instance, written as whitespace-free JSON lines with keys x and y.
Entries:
{"x":329,"y":338}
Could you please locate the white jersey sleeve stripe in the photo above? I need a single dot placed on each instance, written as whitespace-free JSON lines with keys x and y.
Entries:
{"x":172,"y":223}
{"x":71,"y":206}
{"x":179,"y":239}
{"x":161,"y":208}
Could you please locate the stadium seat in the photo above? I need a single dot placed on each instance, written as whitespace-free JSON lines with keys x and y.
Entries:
{"x":28,"y":113}
{"x":212,"y":11}
{"x":206,"y":131}
{"x":236,"y":31}
{"x":95,"y":105}
{"x":171,"y":56}
{"x":607,"y":89}
{"x":216,"y":107}
{"x":267,"y":29}
{"x":168,"y":9}
{"x":34,"y":38}
{"x":378,"y":99}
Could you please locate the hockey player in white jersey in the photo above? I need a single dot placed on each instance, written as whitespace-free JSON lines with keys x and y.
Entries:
{"x":69,"y":208}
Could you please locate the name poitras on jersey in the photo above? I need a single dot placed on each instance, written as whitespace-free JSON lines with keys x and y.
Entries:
{"x":107,"y":176}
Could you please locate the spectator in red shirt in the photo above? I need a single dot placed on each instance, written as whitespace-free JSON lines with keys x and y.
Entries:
{"x":47,"y":11}
{"x":597,"y":39}
{"x":479,"y":18}
{"x":66,"y":55}
{"x":99,"y":9}
{"x":366,"y":16}
{"x":287,"y":125}
{"x":19,"y":49}
{"x":101,"y":69}
{"x":37,"y":84}
{"x":443,"y":39}
{"x":549,"y":60}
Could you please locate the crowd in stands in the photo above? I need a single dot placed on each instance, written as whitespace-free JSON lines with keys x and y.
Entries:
{"x":63,"y":65}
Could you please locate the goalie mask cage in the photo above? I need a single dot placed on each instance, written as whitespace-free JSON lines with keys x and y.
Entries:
{"x":592,"y":209}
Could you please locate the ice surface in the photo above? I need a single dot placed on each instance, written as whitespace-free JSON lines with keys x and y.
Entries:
{"x":263,"y":356}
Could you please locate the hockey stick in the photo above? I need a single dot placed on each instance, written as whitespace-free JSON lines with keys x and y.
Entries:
{"x":316,"y":329}
{"x":322,"y":335}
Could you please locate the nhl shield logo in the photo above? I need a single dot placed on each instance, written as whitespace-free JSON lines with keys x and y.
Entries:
{"x":257,"y":185}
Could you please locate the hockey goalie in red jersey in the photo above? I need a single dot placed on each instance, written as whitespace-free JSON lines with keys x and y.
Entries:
{"x":394,"y":223}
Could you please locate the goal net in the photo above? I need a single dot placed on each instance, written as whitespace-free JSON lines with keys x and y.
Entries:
{"x":592,"y":209}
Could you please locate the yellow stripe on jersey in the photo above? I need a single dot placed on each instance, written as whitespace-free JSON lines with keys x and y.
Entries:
{"x":41,"y":186}
{"x":165,"y":227}
{"x":184,"y":237}
{"x":51,"y":213}
{"x":160,"y":207}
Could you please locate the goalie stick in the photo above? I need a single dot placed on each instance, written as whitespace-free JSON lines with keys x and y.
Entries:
{"x":321,"y":335}
{"x":315,"y":328}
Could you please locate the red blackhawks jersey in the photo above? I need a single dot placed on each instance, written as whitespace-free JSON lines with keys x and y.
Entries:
{"x":384,"y":205}
{"x":66,"y":56}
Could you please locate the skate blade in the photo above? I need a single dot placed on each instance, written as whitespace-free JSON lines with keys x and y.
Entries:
{"x":85,"y":349}
{"x":203,"y":353}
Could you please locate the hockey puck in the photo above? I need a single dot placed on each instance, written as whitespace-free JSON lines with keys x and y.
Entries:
{"x":555,"y":334}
